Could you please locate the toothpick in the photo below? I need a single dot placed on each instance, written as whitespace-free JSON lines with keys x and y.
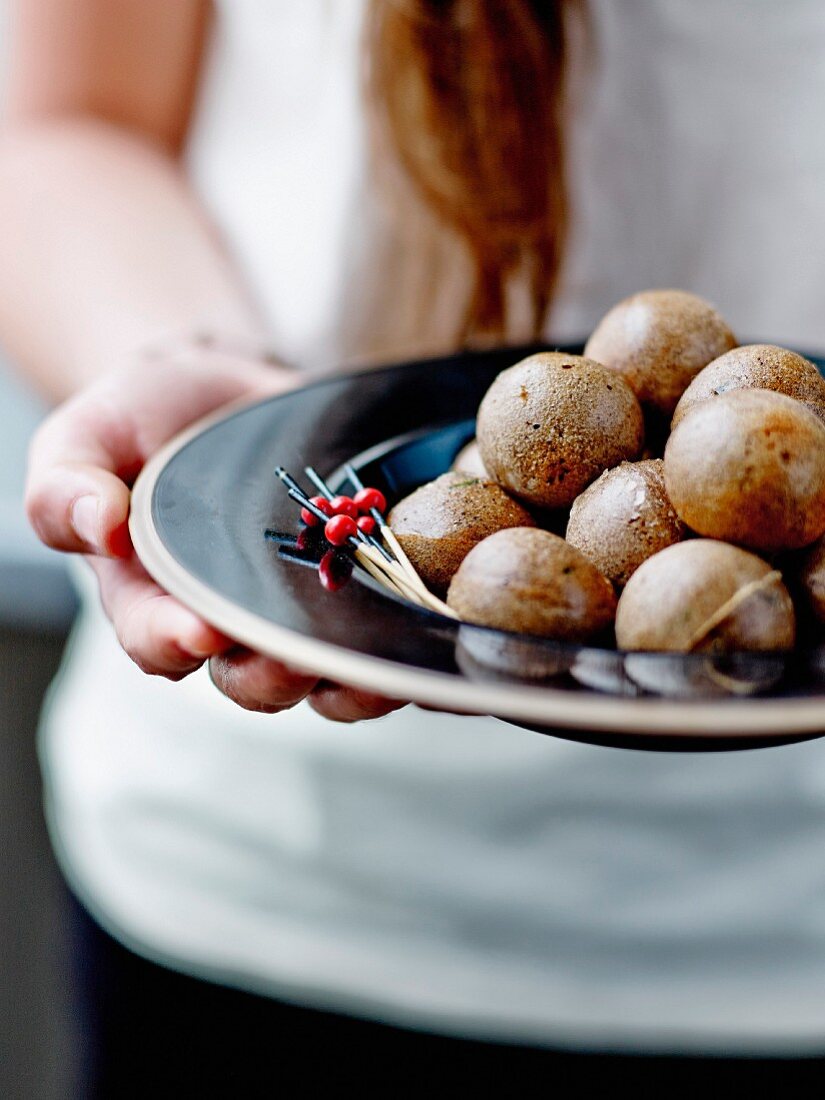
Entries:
{"x":419,"y":594}
{"x":378,"y":574}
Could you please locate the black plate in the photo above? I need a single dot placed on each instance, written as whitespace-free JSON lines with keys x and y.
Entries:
{"x":215,"y":527}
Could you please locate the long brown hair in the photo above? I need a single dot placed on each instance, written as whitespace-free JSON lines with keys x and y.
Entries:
{"x":467,"y":96}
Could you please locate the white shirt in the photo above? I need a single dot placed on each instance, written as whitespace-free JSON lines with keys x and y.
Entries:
{"x":463,"y":874}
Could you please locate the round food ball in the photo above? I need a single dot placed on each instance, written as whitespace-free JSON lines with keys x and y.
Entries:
{"x":468,"y":461}
{"x":704,"y":595}
{"x":749,"y":467}
{"x":438,"y":524}
{"x":757,"y":367}
{"x":624,"y":518}
{"x":812,"y":578}
{"x":658,"y":341}
{"x":530,"y":581}
{"x":549,"y":425}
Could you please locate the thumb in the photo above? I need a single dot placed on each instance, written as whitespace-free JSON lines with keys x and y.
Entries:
{"x":80,"y":508}
{"x":75,"y":497}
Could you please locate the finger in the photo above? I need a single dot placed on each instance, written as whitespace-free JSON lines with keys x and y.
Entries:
{"x":76,"y":496}
{"x":258,"y":683}
{"x":345,"y":704}
{"x":83,"y":455}
{"x":162,"y":637}
{"x":81,"y":509}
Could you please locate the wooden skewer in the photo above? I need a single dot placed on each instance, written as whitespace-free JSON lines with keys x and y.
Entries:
{"x":386,"y":531}
{"x":419,"y":594}
{"x":399,"y":576}
{"x":397,"y":552}
{"x":390,"y":539}
{"x":395,"y":580}
{"x":392,"y":542}
{"x":378,"y":574}
{"x":325,"y":491}
{"x":389,"y":572}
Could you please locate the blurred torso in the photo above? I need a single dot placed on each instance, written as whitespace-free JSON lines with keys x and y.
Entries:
{"x":461,"y":872}
{"x":695,"y":161}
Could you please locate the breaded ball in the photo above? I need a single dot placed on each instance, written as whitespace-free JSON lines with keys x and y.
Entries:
{"x":552,"y":423}
{"x":624,"y":518}
{"x":812,"y":578}
{"x":703,"y":595}
{"x":757,"y":367}
{"x":438,"y":524}
{"x":530,"y":581}
{"x":468,"y":461}
{"x":658,"y":341}
{"x":748,"y":467}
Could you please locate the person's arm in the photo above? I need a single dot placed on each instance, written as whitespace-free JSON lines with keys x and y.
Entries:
{"x":106,"y":253}
{"x":106,"y":247}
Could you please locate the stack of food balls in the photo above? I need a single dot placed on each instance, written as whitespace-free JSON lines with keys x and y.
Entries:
{"x":692,"y":542}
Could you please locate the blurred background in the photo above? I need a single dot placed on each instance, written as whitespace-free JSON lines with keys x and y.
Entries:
{"x":36,"y":608}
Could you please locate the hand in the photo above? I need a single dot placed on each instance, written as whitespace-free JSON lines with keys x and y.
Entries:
{"x":82,"y":461}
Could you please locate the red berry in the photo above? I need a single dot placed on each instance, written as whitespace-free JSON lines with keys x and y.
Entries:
{"x":366,"y":524}
{"x":339,"y":529}
{"x":367,"y":499}
{"x":334,"y":570}
{"x":344,"y":506}
{"x":322,"y":504}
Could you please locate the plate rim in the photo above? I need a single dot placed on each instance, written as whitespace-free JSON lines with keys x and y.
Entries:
{"x":646,"y":716}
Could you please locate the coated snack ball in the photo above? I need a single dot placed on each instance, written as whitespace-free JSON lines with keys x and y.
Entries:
{"x":468,"y":461}
{"x":702,"y":595}
{"x":438,"y":524}
{"x":658,"y":341}
{"x":624,"y":518}
{"x":530,"y":581}
{"x":757,"y":367}
{"x":812,"y":577}
{"x":748,"y":467}
{"x":552,"y":423}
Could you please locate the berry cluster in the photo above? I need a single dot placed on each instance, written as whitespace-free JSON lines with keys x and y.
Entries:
{"x":347,"y":515}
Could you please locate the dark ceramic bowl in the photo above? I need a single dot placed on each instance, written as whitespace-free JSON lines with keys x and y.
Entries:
{"x":215,"y":528}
